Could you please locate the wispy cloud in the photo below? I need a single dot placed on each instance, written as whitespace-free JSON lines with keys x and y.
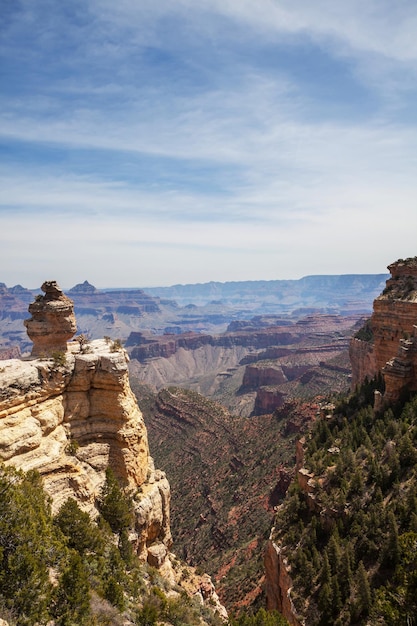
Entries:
{"x":223,"y":139}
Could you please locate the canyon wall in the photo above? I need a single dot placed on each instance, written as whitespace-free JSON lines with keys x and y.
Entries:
{"x":387,"y":345}
{"x":278,"y":584}
{"x":391,"y":345}
{"x":70,"y":421}
{"x":362,"y":359}
{"x":68,"y":412}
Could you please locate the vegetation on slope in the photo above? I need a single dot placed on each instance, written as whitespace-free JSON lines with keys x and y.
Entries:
{"x":226,"y":475}
{"x":352,"y":542}
{"x":70,"y":571}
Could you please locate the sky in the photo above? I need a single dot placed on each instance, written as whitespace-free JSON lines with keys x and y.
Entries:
{"x":150,"y":143}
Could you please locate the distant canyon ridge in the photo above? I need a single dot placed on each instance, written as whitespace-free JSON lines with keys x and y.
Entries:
{"x":203,"y":308}
{"x":249,"y":345}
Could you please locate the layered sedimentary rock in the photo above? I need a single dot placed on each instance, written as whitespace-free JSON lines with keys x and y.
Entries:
{"x":72,"y":415}
{"x":362,"y":358}
{"x":391,"y":347}
{"x":267,"y":400}
{"x":53,"y":321}
{"x":70,"y":421}
{"x":262,"y":375}
{"x":278,"y":583}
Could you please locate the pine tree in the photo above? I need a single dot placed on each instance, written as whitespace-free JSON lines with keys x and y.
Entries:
{"x":325,"y":604}
{"x":77,"y":526}
{"x":364,"y":590}
{"x":114,"y":505}
{"x":334,"y":553}
{"x":392,"y":550}
{"x":336,"y":596}
{"x":72,"y":600}
{"x":27,"y":545}
{"x":325,"y":574}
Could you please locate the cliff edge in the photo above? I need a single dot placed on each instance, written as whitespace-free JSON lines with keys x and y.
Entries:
{"x":387,"y":344}
{"x":69,"y":413}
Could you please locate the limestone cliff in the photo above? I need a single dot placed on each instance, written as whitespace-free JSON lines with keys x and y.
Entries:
{"x":73,"y":414}
{"x":389,"y":344}
{"x":71,"y":420}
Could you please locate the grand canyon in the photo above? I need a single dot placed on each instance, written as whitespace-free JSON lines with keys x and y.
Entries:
{"x":240,"y":421}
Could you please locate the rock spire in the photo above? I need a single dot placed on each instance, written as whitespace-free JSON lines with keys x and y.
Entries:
{"x":53,"y":321}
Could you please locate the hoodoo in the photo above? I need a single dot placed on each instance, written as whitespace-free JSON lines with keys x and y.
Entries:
{"x":53,"y":321}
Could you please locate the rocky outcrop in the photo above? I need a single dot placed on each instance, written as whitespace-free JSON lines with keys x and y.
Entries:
{"x":278,"y":584}
{"x":391,"y":347}
{"x":73,"y":419}
{"x":53,"y":321}
{"x":267,"y":400}
{"x":83,"y":289}
{"x":400,"y":372}
{"x":362,"y":358}
{"x":263,"y":375}
{"x":72,"y":415}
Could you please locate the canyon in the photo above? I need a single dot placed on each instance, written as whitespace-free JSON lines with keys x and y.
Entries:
{"x":254,"y":369}
{"x":227,"y":475}
{"x":207,"y":308}
{"x":225,"y":435}
{"x":68,"y":412}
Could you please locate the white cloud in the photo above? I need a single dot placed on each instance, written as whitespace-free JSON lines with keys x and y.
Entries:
{"x":251,"y":183}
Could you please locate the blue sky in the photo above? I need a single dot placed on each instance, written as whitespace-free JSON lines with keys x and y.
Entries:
{"x":150,"y":143}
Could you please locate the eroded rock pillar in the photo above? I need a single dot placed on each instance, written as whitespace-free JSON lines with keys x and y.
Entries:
{"x":53,"y":321}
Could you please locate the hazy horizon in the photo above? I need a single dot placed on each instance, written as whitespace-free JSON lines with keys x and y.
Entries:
{"x":118,"y":287}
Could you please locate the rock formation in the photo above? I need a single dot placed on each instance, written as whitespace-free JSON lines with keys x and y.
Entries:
{"x":267,"y":400}
{"x":53,"y":321}
{"x":72,"y":415}
{"x":362,"y":358}
{"x":279,"y":583}
{"x":389,"y":344}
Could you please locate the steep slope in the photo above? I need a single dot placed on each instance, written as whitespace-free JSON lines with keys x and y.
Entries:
{"x":308,"y":356}
{"x":343,"y":548}
{"x":388,"y":341}
{"x":68,"y":415}
{"x":346,"y":535}
{"x":227,"y":474}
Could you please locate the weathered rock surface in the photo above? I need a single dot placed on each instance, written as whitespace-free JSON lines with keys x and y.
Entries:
{"x":70,"y":421}
{"x":306,"y":357}
{"x":262,"y":375}
{"x":53,"y":321}
{"x":267,"y":400}
{"x":362,"y":358}
{"x":278,"y":583}
{"x":392,"y":349}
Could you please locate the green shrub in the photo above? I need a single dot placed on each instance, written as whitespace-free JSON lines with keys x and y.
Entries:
{"x":59,"y":358}
{"x":114,"y":505}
